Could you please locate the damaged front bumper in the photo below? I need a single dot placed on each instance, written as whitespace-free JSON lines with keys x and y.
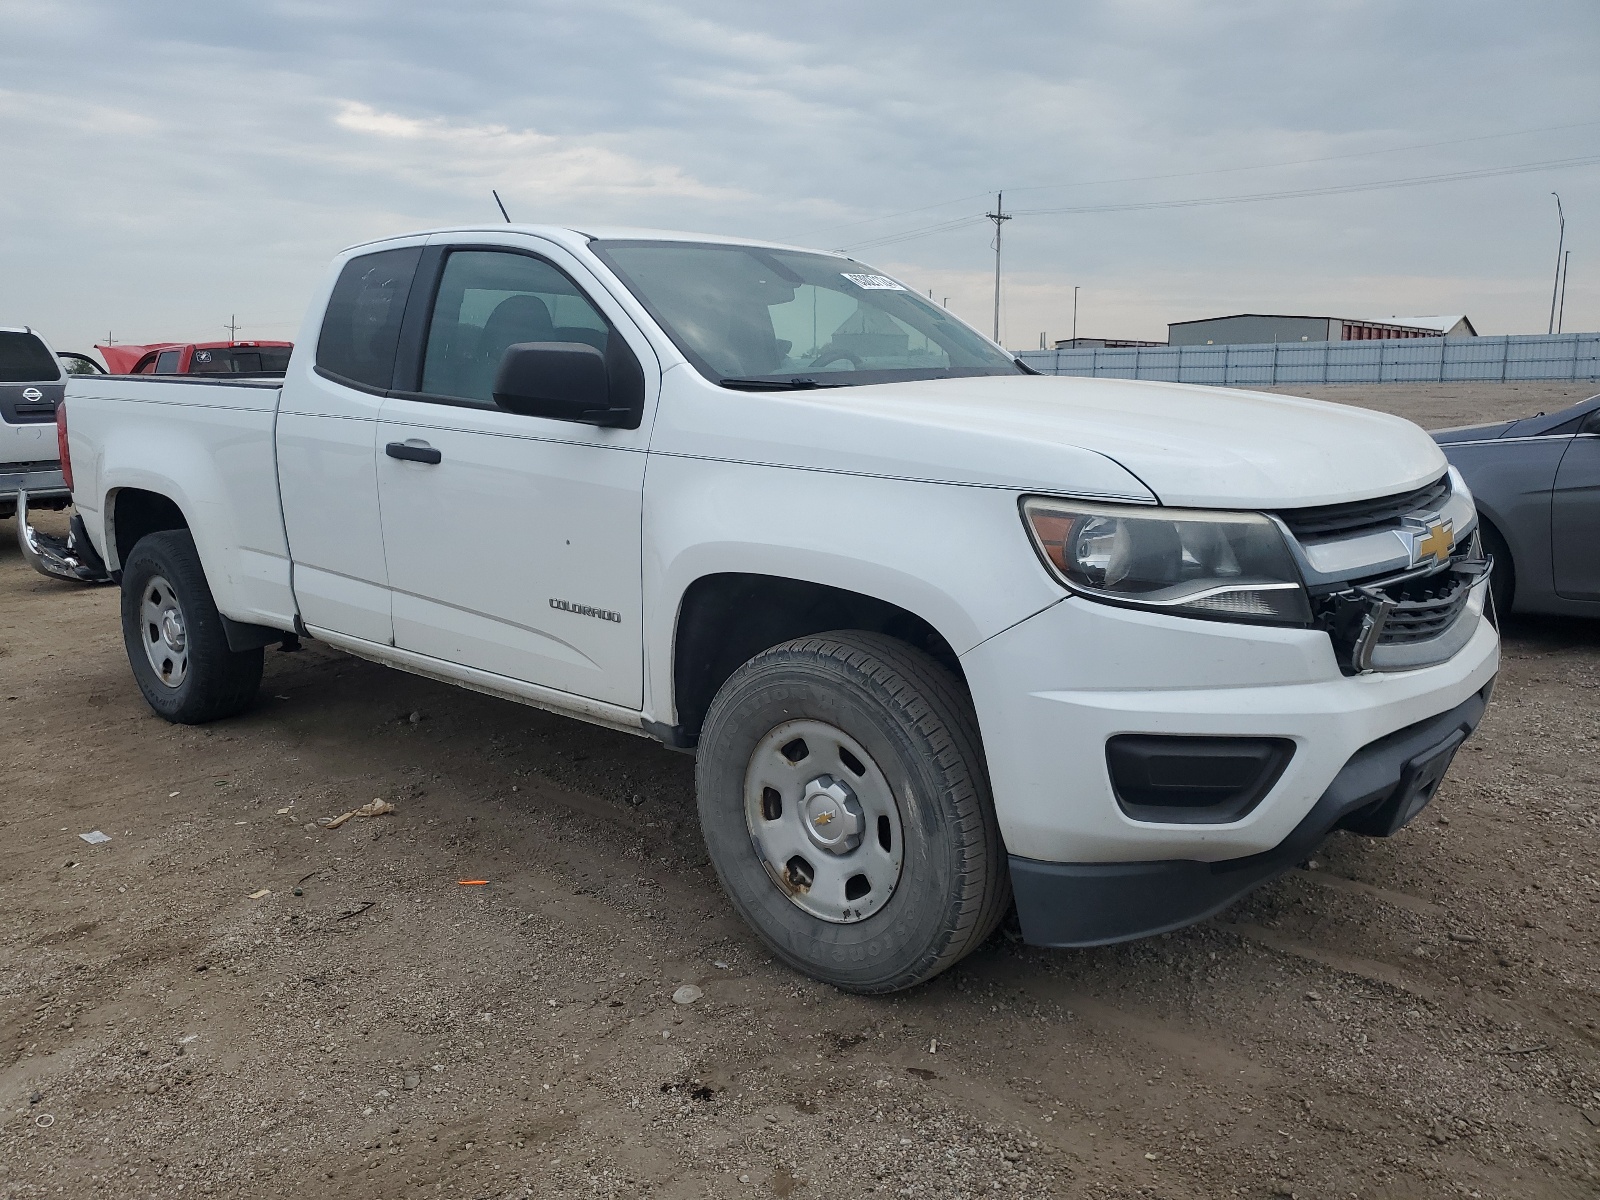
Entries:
{"x":72,"y":557}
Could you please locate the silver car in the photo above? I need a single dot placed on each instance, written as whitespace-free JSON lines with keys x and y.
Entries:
{"x":1537,"y":484}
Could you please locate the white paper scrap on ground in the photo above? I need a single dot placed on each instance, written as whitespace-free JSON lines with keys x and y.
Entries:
{"x":95,"y":837}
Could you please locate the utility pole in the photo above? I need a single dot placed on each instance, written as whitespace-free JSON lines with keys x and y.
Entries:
{"x":233,"y":327}
{"x":1074,"y":317}
{"x":1561,"y":312}
{"x":109,"y":342}
{"x":999,"y":216}
{"x":1561,"y":241}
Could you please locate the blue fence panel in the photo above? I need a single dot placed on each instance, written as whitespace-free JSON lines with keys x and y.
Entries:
{"x":1398,"y":360}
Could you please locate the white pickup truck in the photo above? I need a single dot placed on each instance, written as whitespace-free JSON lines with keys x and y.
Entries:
{"x":941,"y":632}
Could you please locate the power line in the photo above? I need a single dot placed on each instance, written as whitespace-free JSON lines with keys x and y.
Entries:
{"x":1297,"y":162}
{"x":1329,"y":190}
{"x":1248,"y":198}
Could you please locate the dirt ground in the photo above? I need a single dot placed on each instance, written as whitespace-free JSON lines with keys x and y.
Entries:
{"x":227,"y":1000}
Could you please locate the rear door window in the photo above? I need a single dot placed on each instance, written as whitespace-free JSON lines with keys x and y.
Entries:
{"x":361,"y":328}
{"x":24,"y":358}
{"x":167,"y":362}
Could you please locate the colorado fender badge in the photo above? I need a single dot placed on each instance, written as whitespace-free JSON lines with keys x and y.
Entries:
{"x":586,"y":610}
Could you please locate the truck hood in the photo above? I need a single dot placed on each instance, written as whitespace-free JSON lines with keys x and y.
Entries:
{"x":1177,"y":443}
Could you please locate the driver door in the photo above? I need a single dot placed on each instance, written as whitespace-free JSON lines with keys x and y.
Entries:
{"x":513,"y":541}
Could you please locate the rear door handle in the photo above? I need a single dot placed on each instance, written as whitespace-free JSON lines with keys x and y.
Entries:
{"x":405,"y":450}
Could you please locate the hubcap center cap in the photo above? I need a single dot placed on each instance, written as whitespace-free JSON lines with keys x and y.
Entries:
{"x":172,"y":631}
{"x":832,"y":815}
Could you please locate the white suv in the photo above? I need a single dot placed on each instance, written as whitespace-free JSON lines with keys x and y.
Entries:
{"x":32,"y":380}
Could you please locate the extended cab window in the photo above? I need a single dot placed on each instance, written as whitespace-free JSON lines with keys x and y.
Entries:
{"x":167,"y":362}
{"x":489,"y":301}
{"x":361,"y":327}
{"x":25,"y":359}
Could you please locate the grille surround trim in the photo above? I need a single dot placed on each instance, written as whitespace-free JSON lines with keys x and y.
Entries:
{"x":1354,"y":517}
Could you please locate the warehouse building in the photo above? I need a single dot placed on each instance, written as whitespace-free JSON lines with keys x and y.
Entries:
{"x":1255,"y":329}
{"x":1091,"y":343}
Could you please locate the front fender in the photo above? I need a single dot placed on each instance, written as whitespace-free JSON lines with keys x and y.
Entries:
{"x":956,"y":556}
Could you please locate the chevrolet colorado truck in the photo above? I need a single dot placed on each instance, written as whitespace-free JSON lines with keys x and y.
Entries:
{"x":943,"y":634}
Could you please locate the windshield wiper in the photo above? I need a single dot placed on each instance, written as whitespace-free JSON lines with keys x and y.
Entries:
{"x":799,"y":383}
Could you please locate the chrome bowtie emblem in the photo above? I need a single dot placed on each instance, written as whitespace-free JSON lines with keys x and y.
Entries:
{"x":1433,"y":542}
{"x":824,"y":817}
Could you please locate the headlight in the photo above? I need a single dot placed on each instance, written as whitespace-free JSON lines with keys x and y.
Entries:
{"x":1223,"y":565}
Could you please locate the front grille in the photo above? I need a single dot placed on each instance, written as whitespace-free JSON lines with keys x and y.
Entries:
{"x":1359,"y":516}
{"x":1425,"y":608}
{"x":1420,"y":608}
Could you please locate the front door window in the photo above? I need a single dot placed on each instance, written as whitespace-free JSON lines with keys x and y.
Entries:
{"x":491,"y":300}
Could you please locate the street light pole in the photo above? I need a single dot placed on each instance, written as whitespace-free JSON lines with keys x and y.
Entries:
{"x":1561,"y":242}
{"x":998,"y":216}
{"x":1561,"y":312}
{"x":1074,"y":317}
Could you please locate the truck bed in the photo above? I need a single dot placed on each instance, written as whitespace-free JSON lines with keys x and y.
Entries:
{"x":208,"y":445}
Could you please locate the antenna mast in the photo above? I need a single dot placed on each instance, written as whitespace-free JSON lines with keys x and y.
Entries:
{"x":998,"y":216}
{"x":501,"y":203}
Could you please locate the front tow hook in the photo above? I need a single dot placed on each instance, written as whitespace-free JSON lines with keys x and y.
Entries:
{"x":71,"y":557}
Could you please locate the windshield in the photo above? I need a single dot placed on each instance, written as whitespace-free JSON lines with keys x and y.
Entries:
{"x":746,"y":314}
{"x":26,"y":359}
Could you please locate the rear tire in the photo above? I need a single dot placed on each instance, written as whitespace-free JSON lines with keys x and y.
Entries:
{"x":174,"y":636}
{"x":922,"y":881}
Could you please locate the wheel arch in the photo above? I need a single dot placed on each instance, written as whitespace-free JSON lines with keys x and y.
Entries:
{"x":132,"y":513}
{"x":1491,"y":526}
{"x":726,"y":618}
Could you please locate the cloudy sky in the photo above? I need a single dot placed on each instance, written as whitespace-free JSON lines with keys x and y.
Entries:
{"x":167,"y":165}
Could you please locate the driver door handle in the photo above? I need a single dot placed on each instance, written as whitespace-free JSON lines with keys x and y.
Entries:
{"x":411,"y":453}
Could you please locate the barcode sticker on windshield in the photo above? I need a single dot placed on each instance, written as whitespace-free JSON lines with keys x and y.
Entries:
{"x":873,"y":283}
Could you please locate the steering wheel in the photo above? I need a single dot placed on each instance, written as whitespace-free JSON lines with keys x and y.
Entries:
{"x":832,"y":356}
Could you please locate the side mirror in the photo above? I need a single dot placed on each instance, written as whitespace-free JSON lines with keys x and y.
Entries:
{"x":1591,"y":423}
{"x":562,"y":381}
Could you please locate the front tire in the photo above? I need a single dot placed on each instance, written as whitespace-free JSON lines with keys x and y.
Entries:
{"x":846,"y":808}
{"x":174,"y":636}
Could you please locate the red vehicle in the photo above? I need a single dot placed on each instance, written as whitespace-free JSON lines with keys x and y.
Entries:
{"x":198,"y":358}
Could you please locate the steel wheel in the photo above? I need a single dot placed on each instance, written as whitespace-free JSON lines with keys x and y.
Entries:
{"x":164,"y":633}
{"x":824,"y":820}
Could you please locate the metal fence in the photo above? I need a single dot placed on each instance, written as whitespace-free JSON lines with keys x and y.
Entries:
{"x":1397,"y":360}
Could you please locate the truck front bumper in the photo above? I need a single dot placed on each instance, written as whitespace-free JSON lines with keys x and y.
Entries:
{"x":1088,"y":867}
{"x":1379,"y":790}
